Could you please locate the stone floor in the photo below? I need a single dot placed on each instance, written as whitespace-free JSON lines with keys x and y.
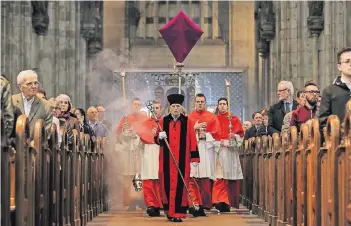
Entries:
{"x":237,"y":217}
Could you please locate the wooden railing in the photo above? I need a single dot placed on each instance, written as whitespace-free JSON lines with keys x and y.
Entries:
{"x":291,"y":180}
{"x":44,"y":184}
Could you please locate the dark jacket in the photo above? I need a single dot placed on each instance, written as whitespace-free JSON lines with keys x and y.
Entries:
{"x":255,"y":131}
{"x":334,"y":99}
{"x":276,"y":116}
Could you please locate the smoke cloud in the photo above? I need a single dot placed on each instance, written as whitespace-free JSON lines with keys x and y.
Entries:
{"x":105,"y":88}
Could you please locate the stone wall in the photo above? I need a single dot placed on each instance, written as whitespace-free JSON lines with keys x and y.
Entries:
{"x":304,"y":45}
{"x":47,"y":37}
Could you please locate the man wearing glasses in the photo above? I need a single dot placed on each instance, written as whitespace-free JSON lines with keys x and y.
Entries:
{"x":309,"y":109}
{"x":335,"y":96}
{"x":28,"y":102}
{"x":285,"y":105}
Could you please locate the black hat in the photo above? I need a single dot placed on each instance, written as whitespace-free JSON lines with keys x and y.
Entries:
{"x":175,"y":99}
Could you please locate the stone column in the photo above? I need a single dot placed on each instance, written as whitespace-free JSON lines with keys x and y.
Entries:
{"x":155,"y":16}
{"x":214,"y":19}
{"x":142,"y":22}
{"x":265,"y":32}
{"x":315,"y":23}
{"x":204,"y":13}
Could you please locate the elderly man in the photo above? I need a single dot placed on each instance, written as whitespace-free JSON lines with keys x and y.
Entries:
{"x":101,"y":115}
{"x":179,"y":132}
{"x":285,"y":105}
{"x":93,"y":120}
{"x":208,"y":132}
{"x":28,"y":102}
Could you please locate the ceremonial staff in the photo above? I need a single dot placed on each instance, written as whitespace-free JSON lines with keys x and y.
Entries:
{"x":231,"y":138}
{"x":149,"y":105}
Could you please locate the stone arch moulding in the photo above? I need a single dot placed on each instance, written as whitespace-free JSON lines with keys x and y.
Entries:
{"x":315,"y":20}
{"x":40,"y":17}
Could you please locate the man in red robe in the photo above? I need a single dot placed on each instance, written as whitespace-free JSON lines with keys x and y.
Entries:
{"x":130,"y":148}
{"x":179,"y":132}
{"x":228,"y":172}
{"x":208,"y":131}
{"x":150,"y":162}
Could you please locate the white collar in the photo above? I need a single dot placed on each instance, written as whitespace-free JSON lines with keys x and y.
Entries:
{"x":25,"y":99}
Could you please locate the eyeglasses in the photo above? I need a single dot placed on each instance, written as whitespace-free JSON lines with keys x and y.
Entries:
{"x":281,"y":90}
{"x":313,"y":92}
{"x":30,"y":84}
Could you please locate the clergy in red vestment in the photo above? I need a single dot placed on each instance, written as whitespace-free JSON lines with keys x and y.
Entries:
{"x":208,"y":131}
{"x":228,"y":171}
{"x":179,"y":132}
{"x":130,"y":148}
{"x":150,"y":162}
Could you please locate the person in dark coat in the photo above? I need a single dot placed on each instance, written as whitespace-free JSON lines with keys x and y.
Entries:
{"x":285,"y":105}
{"x":179,"y":132}
{"x":335,"y":96}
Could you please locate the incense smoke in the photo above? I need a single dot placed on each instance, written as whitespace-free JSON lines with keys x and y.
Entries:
{"x":105,"y":88}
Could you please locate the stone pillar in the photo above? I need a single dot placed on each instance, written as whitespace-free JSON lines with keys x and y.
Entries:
{"x":142,"y":23}
{"x":265,"y":32}
{"x":214,"y":19}
{"x":204,"y":13}
{"x":315,"y":23}
{"x":155,"y":16}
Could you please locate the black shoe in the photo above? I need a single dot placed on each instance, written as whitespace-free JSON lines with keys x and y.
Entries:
{"x":176,"y":219}
{"x":169,"y":218}
{"x":201,"y":212}
{"x":222,"y":207}
{"x":152,"y":211}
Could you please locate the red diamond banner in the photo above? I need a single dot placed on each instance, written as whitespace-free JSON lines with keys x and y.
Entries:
{"x":181,"y":35}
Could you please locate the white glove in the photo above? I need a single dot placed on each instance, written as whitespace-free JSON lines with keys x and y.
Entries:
{"x":162,"y":135}
{"x":194,"y":164}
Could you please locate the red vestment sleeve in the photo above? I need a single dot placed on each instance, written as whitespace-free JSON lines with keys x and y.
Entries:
{"x":237,"y":127}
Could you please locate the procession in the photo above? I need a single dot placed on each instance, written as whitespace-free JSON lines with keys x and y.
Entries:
{"x":175,"y":112}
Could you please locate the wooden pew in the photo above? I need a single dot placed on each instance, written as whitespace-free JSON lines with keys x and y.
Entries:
{"x":42,"y":167}
{"x":55,"y":173}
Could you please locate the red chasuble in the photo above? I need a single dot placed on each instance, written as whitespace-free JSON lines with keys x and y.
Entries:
{"x":182,"y":141}
{"x":213,"y":126}
{"x":134,"y":120}
{"x":224,"y":123}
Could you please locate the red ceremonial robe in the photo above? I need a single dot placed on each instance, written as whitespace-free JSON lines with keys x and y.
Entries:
{"x":133,"y":120}
{"x":151,"y":187}
{"x":182,"y":141}
{"x":227,"y":191}
{"x":201,"y":188}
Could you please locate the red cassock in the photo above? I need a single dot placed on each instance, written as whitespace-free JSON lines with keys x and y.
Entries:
{"x":224,"y":190}
{"x":151,"y":187}
{"x":224,"y":123}
{"x":182,"y":141}
{"x":201,"y":188}
{"x":213,"y":126}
